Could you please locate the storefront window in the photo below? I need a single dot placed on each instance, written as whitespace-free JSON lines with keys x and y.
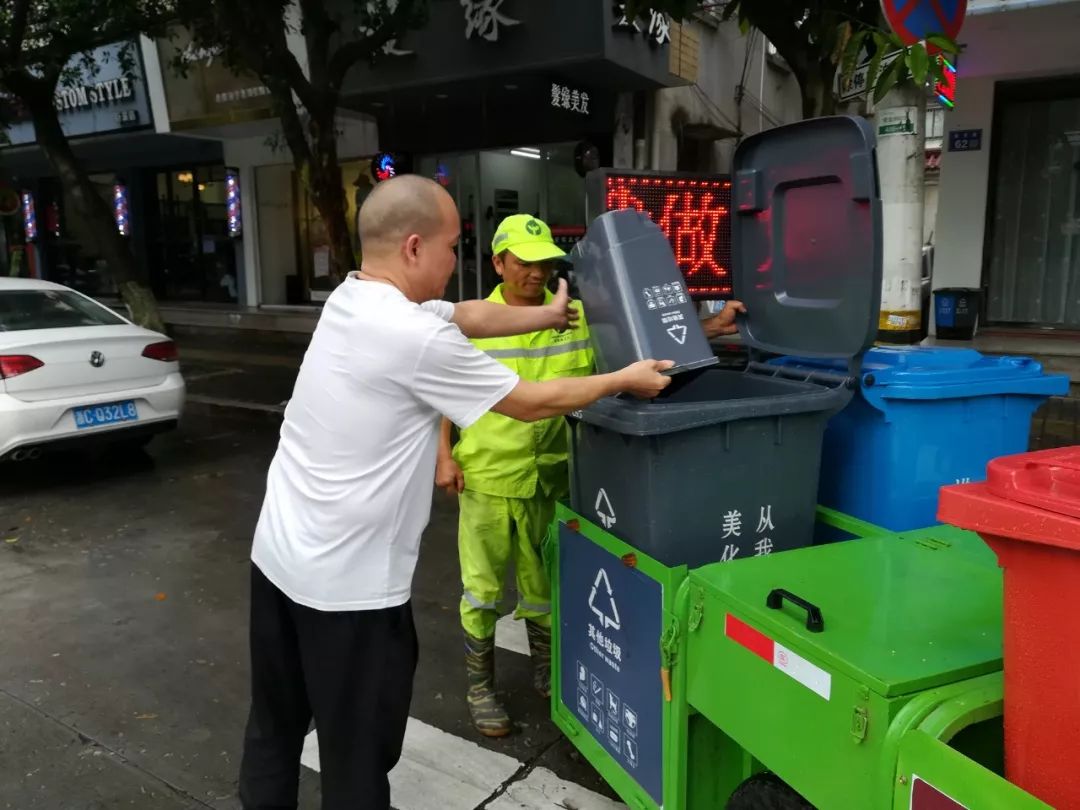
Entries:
{"x":313,"y":242}
{"x":67,"y":241}
{"x":191,"y":255}
{"x":486,"y":186}
{"x":490,"y":185}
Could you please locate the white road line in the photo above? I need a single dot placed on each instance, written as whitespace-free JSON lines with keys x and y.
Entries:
{"x":223,"y":372}
{"x":511,"y":635}
{"x":438,"y":769}
{"x":222,"y":402}
{"x":543,"y":790}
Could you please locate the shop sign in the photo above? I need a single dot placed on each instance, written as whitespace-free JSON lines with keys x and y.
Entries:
{"x":693,"y":211}
{"x":657,"y":32}
{"x":102,"y":98}
{"x":570,"y":99}
{"x":483,"y":18}
{"x":210,"y":93}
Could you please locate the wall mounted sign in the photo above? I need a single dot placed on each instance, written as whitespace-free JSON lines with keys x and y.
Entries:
{"x":965,"y":140}
{"x":483,"y":19}
{"x":693,"y":211}
{"x":105,"y":98}
{"x":211,"y":93}
{"x":657,"y":32}
{"x":897,"y":121}
{"x":571,"y":99}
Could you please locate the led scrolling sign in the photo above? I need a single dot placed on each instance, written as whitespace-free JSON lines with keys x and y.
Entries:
{"x":694,"y":214}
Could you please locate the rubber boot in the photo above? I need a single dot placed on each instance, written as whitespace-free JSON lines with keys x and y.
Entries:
{"x":488,"y":715}
{"x":540,"y":650}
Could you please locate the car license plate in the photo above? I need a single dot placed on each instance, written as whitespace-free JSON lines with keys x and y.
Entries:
{"x":110,"y":414}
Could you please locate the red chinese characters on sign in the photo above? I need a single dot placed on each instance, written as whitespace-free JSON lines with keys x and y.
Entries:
{"x":694,"y":215}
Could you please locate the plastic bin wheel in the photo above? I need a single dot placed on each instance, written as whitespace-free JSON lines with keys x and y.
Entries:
{"x":766,"y":791}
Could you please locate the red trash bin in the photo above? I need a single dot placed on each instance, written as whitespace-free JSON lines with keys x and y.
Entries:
{"x":1028,"y":512}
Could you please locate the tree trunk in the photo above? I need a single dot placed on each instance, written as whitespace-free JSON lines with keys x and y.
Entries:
{"x":326,"y":192}
{"x":111,"y":246}
{"x":817,"y":90}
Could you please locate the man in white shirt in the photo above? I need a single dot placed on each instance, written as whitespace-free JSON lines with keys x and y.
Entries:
{"x":349,"y":493}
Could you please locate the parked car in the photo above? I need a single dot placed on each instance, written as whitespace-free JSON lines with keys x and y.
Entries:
{"x":73,"y":372}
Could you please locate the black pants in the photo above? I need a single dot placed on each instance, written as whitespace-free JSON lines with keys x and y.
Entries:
{"x":352,"y":672}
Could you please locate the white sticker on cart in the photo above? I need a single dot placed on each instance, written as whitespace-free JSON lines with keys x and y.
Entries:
{"x":812,"y":677}
{"x":793,"y":665}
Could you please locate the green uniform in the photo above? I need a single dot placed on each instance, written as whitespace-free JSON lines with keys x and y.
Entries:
{"x":514,"y":472}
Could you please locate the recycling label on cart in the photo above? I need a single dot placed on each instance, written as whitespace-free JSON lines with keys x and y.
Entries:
{"x":609,"y":646}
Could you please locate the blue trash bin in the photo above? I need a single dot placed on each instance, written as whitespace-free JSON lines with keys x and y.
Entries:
{"x":924,"y":418}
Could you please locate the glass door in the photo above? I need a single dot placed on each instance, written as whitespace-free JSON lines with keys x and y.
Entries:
{"x":193,"y":258}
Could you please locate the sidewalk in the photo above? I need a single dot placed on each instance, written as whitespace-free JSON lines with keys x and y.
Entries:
{"x":256,"y":372}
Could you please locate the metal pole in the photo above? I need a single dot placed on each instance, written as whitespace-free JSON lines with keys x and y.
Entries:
{"x":477,"y":228}
{"x":461,"y":250}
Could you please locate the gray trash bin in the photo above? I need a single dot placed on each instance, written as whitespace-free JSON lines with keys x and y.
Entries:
{"x":725,"y":465}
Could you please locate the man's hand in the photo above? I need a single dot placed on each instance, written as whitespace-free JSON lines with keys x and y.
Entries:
{"x":564,"y":315}
{"x":723,"y":323}
{"x":643,"y":378}
{"x":448,"y":476}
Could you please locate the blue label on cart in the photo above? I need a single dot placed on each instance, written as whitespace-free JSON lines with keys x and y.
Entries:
{"x":609,"y":636}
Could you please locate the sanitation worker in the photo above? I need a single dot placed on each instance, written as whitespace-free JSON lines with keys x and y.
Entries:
{"x":348,"y":495}
{"x":508,"y":474}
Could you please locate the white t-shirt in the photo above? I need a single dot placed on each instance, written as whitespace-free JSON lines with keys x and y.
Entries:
{"x":349,"y":490}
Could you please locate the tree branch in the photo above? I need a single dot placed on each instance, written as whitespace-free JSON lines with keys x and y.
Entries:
{"x":354,"y":51}
{"x":321,"y":29}
{"x":19,"y":20}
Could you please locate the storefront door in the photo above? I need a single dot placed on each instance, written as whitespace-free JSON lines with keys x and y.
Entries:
{"x":1034,"y":248}
{"x":191,"y":255}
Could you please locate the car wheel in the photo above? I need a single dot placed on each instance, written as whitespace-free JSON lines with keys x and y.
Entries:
{"x":766,"y":791}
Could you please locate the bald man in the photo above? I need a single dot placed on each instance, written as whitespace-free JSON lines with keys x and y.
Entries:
{"x":349,"y":491}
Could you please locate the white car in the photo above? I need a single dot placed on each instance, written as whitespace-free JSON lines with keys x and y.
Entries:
{"x":73,"y":372}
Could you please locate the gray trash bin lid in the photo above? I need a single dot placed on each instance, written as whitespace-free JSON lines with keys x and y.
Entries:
{"x":806,"y":238}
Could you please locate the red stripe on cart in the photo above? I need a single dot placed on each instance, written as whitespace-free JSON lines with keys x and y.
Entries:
{"x":754,"y":640}
{"x":787,"y":661}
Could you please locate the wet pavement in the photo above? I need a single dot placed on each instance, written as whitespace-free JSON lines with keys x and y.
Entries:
{"x":123,"y":608}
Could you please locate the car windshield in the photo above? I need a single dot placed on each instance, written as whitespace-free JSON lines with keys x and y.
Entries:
{"x":50,"y":309}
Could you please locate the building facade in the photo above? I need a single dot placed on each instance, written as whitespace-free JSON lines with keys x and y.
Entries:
{"x":1008,"y":219}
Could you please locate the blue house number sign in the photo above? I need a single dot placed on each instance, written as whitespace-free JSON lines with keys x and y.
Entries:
{"x":965,"y":140}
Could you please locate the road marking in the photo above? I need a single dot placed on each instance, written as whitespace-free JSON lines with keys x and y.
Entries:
{"x":221,"y":402}
{"x":208,"y":375}
{"x":464,"y":775}
{"x":510,"y":634}
{"x":543,"y":790}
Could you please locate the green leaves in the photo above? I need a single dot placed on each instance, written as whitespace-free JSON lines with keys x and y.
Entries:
{"x":890,"y":78}
{"x":918,"y":62}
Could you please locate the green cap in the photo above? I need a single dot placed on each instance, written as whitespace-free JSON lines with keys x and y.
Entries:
{"x":526,"y":237}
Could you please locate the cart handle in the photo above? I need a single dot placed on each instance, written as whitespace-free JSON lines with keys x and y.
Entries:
{"x":814,"y":622}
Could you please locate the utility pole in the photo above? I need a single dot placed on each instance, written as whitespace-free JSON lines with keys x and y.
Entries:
{"x":900,"y":123}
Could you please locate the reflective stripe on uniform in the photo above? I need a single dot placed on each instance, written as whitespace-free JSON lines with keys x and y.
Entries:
{"x":476,"y":603}
{"x":540,"y":351}
{"x":534,"y":607}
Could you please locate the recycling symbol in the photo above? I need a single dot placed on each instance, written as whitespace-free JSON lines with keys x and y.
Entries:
{"x":604,"y":510}
{"x":678,"y":333}
{"x":533,"y":227}
{"x":610,"y":622}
